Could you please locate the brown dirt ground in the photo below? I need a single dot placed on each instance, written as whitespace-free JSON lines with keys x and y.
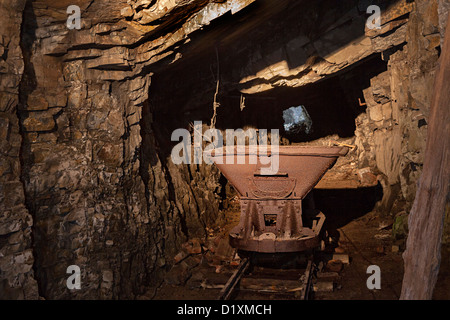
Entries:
{"x":364,"y":242}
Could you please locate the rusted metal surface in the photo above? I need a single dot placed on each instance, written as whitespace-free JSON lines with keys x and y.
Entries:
{"x":276,"y":226}
{"x":272,"y":218}
{"x":270,"y":282}
{"x":306,"y":292}
{"x":300,"y":168}
{"x":227,"y":290}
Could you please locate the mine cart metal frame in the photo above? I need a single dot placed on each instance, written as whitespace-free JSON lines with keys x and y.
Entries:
{"x":272,"y":216}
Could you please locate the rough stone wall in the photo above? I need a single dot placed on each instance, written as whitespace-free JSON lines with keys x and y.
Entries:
{"x":81,"y":172}
{"x":16,"y":253}
{"x":394,"y":129}
{"x":94,"y":203}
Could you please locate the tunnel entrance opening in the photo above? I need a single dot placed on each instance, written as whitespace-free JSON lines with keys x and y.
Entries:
{"x":331,"y":105}
{"x":326,"y":109}
{"x":297,"y":120}
{"x":205,"y":85}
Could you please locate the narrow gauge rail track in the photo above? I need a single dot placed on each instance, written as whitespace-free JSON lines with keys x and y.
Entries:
{"x":257,"y":281}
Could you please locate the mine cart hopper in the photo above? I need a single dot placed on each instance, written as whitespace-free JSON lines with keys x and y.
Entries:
{"x":272,"y":219}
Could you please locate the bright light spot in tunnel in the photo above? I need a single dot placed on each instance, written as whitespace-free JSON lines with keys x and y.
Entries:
{"x":297,"y":120}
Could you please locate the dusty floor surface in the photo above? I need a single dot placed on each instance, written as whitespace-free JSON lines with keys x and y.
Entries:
{"x":367,"y":241}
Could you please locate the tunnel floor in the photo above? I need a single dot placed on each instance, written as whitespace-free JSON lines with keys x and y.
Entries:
{"x":360,"y":232}
{"x":365,"y":242}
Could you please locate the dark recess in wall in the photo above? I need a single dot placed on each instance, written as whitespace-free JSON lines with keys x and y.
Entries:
{"x":27,"y":85}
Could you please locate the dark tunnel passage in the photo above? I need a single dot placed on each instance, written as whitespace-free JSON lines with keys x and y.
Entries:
{"x":108,"y":163}
{"x":236,"y":46}
{"x":341,"y":206}
{"x":220,"y":57}
{"x":176,"y":100}
{"x":211,"y":69}
{"x":332,"y":104}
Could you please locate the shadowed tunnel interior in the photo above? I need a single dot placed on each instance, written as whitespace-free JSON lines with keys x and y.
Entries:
{"x":87,"y":118}
{"x":221,"y":57}
{"x":225,"y":54}
{"x":341,"y":206}
{"x":332,"y":104}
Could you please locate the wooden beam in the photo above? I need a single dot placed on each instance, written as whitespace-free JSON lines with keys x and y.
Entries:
{"x":282,"y":286}
{"x":422,"y":256}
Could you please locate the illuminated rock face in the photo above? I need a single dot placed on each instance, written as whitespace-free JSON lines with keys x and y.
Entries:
{"x":86,"y":117}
